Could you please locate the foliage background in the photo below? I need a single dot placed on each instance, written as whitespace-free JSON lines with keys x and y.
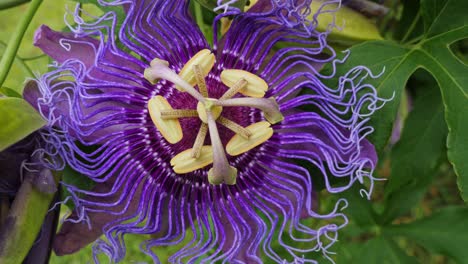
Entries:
{"x":417,"y":215}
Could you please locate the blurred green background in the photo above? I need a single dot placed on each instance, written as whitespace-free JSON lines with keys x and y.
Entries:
{"x":366,"y":242}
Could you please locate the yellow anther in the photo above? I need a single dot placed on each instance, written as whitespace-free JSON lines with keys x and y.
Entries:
{"x":256,"y":86}
{"x":261,"y":132}
{"x":185,"y":163}
{"x":208,"y":105}
{"x":204,"y":59}
{"x":170,"y":129}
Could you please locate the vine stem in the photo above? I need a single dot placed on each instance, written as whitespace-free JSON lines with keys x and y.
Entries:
{"x":368,"y":8}
{"x":15,"y":41}
{"x":20,"y":61}
{"x":4,"y":4}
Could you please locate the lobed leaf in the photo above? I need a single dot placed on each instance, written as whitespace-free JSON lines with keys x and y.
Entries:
{"x":448,"y":25}
{"x":382,"y":250}
{"x":416,"y":157}
{"x":442,"y":232}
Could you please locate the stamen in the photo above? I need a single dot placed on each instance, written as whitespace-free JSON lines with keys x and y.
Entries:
{"x":238,"y":129}
{"x":200,"y":80}
{"x":203,"y":59}
{"x":159,"y":70}
{"x":197,"y":146}
{"x":241,"y":83}
{"x":256,"y":86}
{"x":261,"y":132}
{"x":269,"y":106}
{"x":209,"y":111}
{"x":185,"y":163}
{"x":221,"y":170}
{"x":148,"y":73}
{"x":155,"y":62}
{"x":178,"y":113}
{"x":170,"y":129}
{"x":208,"y":105}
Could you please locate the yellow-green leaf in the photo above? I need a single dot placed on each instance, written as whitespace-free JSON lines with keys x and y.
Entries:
{"x":17,"y":120}
{"x":351,"y":26}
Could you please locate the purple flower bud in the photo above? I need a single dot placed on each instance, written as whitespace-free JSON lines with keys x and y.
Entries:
{"x":22,"y":162}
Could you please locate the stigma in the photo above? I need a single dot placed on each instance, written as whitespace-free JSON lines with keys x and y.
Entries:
{"x":209,"y":110}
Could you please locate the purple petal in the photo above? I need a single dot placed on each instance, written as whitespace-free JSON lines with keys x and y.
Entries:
{"x":32,"y":94}
{"x":59,"y":107}
{"x":88,"y":51}
{"x":75,"y":235}
{"x":63,"y":46}
{"x":162,"y":29}
{"x":368,"y":151}
{"x":262,"y":29}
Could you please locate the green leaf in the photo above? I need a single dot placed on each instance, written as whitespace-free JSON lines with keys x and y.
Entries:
{"x":351,"y":26}
{"x":444,"y":232}
{"x":382,"y":250}
{"x":378,"y":56}
{"x":74,"y":178}
{"x":18,"y":119}
{"x":359,"y":208}
{"x":9,"y":92}
{"x":415,"y":158}
{"x":442,"y":16}
{"x":410,"y":25}
{"x":449,"y":24}
{"x":452,"y":76}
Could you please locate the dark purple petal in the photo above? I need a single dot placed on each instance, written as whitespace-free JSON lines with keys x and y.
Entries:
{"x":11,"y":160}
{"x":31,"y":93}
{"x":63,"y":46}
{"x":75,"y":235}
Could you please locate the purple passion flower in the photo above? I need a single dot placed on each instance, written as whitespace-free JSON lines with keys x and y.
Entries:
{"x":178,"y":135}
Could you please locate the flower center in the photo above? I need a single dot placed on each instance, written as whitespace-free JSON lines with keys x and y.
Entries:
{"x":209,"y":110}
{"x":208,"y":106}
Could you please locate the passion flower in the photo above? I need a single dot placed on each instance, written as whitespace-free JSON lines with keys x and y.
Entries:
{"x":179,"y":135}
